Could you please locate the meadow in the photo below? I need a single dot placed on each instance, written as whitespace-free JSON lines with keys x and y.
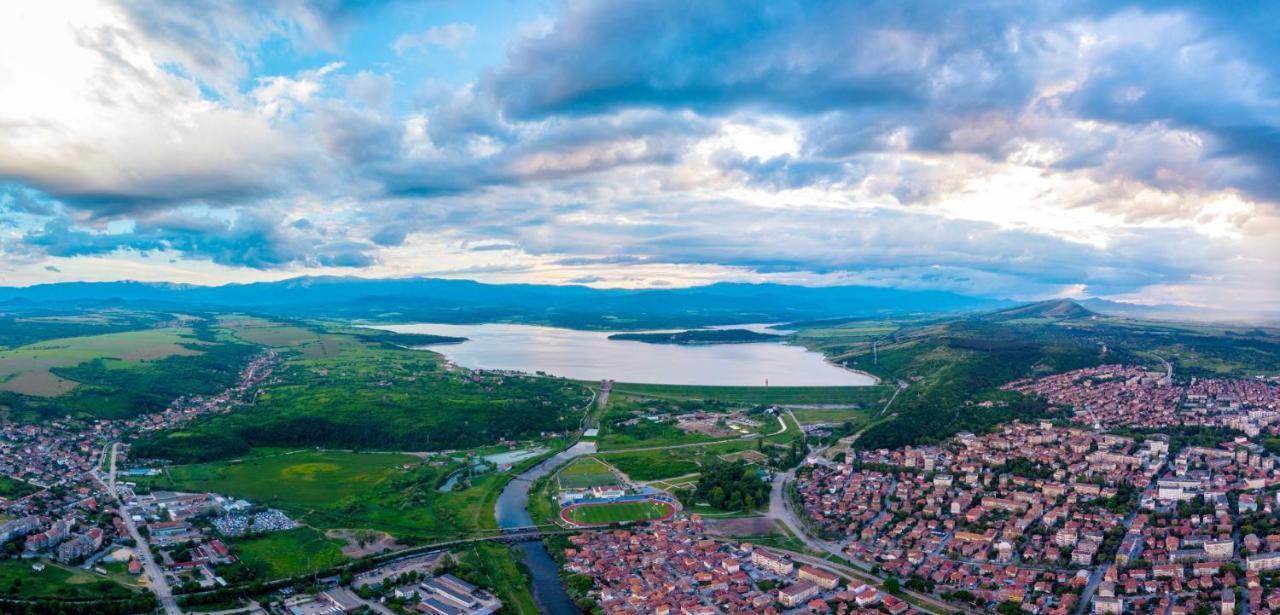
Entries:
{"x":292,"y":481}
{"x":19,"y":580}
{"x":268,"y":332}
{"x":288,"y":553}
{"x":618,"y":512}
{"x":665,"y":463}
{"x":857,"y":417}
{"x":37,"y":324}
{"x":29,"y":370}
{"x":345,"y":490}
{"x":118,"y":375}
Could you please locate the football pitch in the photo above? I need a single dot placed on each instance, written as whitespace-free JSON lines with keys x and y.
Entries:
{"x":616,"y":512}
{"x":584,"y":473}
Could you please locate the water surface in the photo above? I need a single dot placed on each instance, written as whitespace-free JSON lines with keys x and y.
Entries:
{"x":591,"y":355}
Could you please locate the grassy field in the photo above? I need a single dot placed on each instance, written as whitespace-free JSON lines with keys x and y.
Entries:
{"x":339,"y":490}
{"x":585,"y":472}
{"x":627,"y":422}
{"x":620,"y":512}
{"x":759,"y":395}
{"x":289,"y":553}
{"x":12,"y":488}
{"x":27,"y":369}
{"x":56,"y":583}
{"x":299,"y":481}
{"x":668,"y":463}
{"x":652,"y":465}
{"x":857,"y":416}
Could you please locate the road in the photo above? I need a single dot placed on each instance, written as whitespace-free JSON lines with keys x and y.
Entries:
{"x":901,"y":387}
{"x":155,"y":575}
{"x":1096,"y":577}
{"x":782,"y":511}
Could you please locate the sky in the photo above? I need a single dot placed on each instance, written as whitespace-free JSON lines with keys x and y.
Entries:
{"x":1124,"y":150}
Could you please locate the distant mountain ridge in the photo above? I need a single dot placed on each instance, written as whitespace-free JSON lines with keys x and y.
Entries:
{"x":469,"y":301}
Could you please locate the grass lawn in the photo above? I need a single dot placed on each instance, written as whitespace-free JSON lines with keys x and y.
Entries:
{"x":585,"y":472}
{"x":620,"y":512}
{"x":26,"y":369}
{"x":289,"y":553}
{"x":55,"y":582}
{"x":758,"y":395}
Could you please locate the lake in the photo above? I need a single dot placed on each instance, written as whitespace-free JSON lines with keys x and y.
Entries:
{"x":591,"y":355}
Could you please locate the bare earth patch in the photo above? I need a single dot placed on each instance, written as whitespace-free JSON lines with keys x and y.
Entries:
{"x":748,"y":526}
{"x":364,"y":542}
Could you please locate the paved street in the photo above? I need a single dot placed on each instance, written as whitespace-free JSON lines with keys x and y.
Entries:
{"x":155,"y":576}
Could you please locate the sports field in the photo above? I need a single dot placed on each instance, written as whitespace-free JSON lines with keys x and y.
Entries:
{"x":586,"y":472}
{"x":26,"y":369}
{"x":616,"y":512}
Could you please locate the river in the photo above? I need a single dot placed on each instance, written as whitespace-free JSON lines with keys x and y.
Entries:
{"x":512,"y":511}
{"x":591,"y":355}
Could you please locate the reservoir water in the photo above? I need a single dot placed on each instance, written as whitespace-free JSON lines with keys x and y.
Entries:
{"x":591,"y":355}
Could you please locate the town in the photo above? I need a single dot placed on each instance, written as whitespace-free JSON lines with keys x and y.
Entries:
{"x":1102,"y":509}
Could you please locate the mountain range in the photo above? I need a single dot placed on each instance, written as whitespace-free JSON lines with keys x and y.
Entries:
{"x":466,"y":301}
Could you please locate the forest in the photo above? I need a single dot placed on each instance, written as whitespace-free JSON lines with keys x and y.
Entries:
{"x":734,"y":486}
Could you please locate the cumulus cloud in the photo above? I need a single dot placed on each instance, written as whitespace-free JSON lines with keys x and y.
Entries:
{"x":100,"y":124}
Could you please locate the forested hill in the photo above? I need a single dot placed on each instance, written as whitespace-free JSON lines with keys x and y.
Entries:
{"x":699,"y":336}
{"x":953,"y":367}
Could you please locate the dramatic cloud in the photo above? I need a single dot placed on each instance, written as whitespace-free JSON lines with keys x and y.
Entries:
{"x":1062,"y":148}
